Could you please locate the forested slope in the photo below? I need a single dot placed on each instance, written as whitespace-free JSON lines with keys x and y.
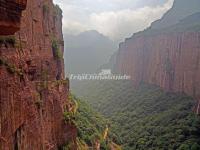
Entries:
{"x":145,"y":117}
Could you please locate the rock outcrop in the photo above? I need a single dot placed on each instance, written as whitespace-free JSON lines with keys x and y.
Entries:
{"x":10,"y":15}
{"x":169,"y":57}
{"x":33,"y":91}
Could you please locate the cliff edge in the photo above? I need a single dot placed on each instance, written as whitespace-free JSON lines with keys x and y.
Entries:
{"x":33,"y":90}
{"x":169,"y":56}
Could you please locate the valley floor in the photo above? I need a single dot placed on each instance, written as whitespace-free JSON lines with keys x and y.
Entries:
{"x":144,"y":118}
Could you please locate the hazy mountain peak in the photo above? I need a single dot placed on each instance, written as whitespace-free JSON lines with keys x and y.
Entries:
{"x":87,"y":51}
{"x":180,"y":10}
{"x":90,"y":32}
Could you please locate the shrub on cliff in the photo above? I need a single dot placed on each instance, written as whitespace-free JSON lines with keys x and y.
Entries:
{"x":45,"y":9}
{"x":11,"y":40}
{"x":7,"y":40}
{"x":56,"y":49}
{"x":57,"y":10}
{"x":2,"y":61}
{"x":11,"y":68}
{"x":1,"y":41}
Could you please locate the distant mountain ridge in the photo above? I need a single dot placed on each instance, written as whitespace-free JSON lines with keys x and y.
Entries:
{"x":179,"y":10}
{"x":87,"y":51}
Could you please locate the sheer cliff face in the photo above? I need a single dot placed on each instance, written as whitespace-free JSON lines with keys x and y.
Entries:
{"x":171,"y":61}
{"x":33,"y":92}
{"x":10,"y":14}
{"x":169,"y":57}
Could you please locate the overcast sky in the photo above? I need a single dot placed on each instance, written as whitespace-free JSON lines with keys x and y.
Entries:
{"x":114,"y":18}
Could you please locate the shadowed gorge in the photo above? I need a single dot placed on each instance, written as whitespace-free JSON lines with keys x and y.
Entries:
{"x":145,"y":117}
{"x":49,"y":102}
{"x":159,"y":107}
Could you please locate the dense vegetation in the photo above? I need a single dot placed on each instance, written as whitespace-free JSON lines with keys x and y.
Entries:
{"x":7,"y":40}
{"x":56,"y":50}
{"x":145,"y":118}
{"x":91,"y":126}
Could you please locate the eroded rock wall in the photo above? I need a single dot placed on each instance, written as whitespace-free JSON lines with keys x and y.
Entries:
{"x":10,"y":15}
{"x":167,"y":53}
{"x":33,"y":91}
{"x":169,"y":60}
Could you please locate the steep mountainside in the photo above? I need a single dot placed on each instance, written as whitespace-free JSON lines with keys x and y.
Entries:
{"x":33,"y":91}
{"x":87,"y":51}
{"x":93,"y":128}
{"x":180,"y":10}
{"x":168,"y":57}
{"x":146,"y":117}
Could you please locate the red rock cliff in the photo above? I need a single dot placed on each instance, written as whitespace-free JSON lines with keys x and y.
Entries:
{"x":33,"y":91}
{"x":10,"y":15}
{"x":170,"y":60}
{"x":166,"y":56}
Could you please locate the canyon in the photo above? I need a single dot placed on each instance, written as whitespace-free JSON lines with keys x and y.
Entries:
{"x":167,"y":57}
{"x":33,"y":89}
{"x":38,"y":112}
